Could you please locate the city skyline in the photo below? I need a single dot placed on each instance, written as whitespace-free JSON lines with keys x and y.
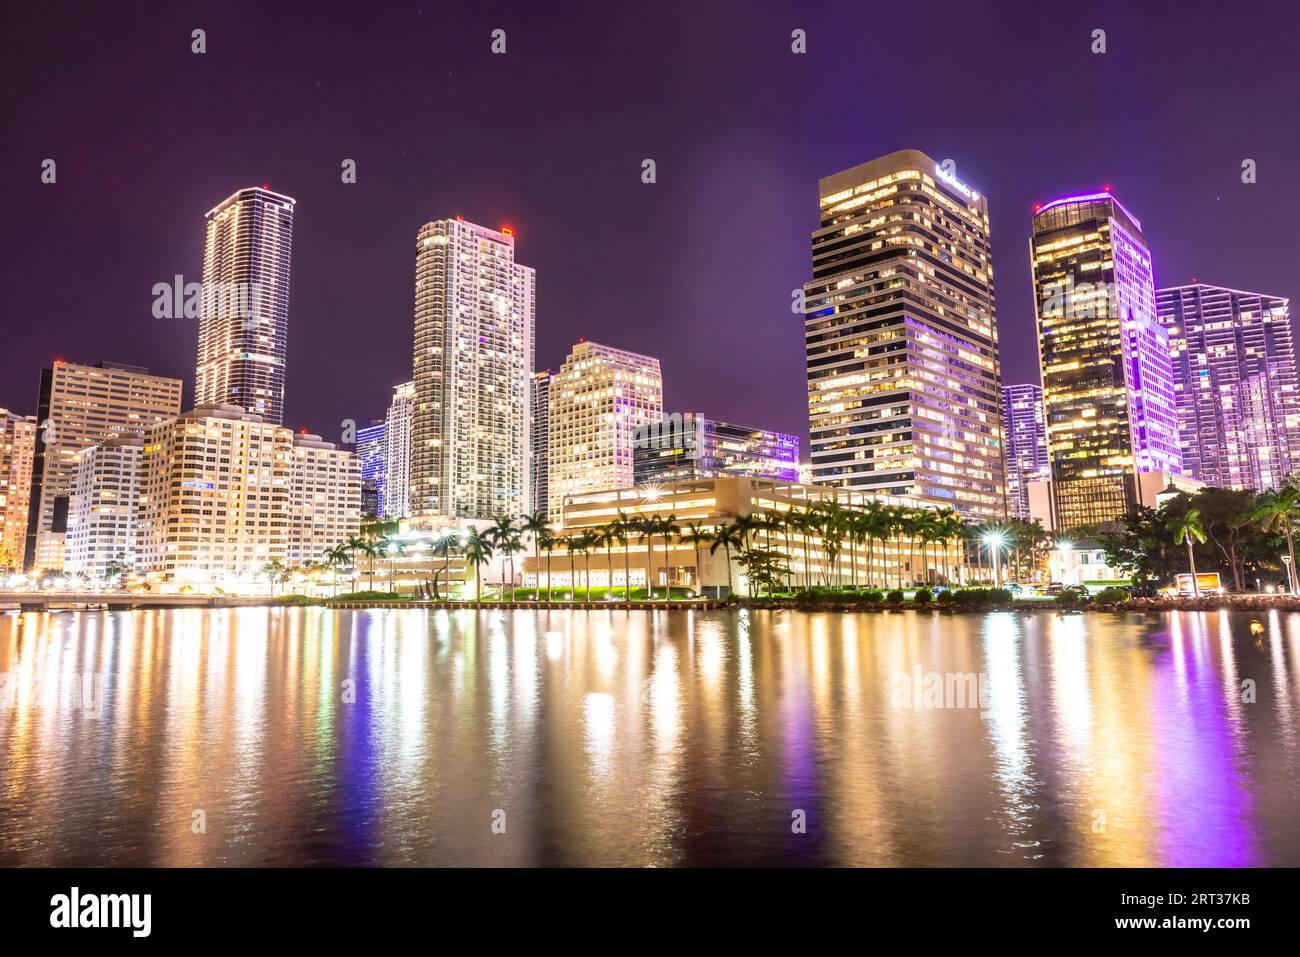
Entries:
{"x":336,"y":308}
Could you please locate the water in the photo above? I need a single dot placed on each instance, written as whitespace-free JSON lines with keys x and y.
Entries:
{"x":303,"y":736}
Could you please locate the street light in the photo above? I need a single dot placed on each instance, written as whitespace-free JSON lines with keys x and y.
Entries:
{"x":995,"y":540}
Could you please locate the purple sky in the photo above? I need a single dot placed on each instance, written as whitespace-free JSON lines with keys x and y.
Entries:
{"x":696,"y":269}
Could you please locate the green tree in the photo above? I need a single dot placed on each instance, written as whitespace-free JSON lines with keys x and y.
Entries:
{"x":696,"y":535}
{"x":1188,"y":528}
{"x":536,"y":526}
{"x":1276,"y":512}
{"x":726,"y":536}
{"x":478,"y":551}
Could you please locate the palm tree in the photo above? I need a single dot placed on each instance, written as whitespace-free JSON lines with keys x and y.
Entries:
{"x":547,"y":540}
{"x":573,"y":544}
{"x":695,"y":536}
{"x":381,"y":552}
{"x":396,"y":549}
{"x":444,"y":545}
{"x":1277,"y":512}
{"x":356,"y":544}
{"x":876,"y":528}
{"x":591,"y":540}
{"x":726,"y":536}
{"x":478,"y":549}
{"x":643,"y":526}
{"x":505,"y":538}
{"x":536,"y":526}
{"x":273,"y":570}
{"x":626,"y":526}
{"x":608,"y":535}
{"x":336,"y":558}
{"x":830,"y":524}
{"x":667,"y":527}
{"x":510,"y":547}
{"x":1188,"y":528}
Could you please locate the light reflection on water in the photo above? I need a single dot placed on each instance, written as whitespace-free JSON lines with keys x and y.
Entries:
{"x":305,"y":736}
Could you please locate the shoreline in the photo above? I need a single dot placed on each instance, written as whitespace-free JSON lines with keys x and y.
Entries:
{"x":1241,"y":603}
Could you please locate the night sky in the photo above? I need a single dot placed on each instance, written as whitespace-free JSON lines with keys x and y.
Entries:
{"x":696,"y":269}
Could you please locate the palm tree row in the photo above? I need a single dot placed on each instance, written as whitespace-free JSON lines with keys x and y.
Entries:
{"x":829,"y":537}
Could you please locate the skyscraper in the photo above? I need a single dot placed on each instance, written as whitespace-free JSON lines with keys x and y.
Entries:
{"x":372,"y":448}
{"x":685,"y":446}
{"x":79,"y":406}
{"x":539,"y":440}
{"x":473,"y":366}
{"x":1108,"y":384}
{"x":1025,"y":431}
{"x":17,"y":451}
{"x":900,"y":336}
{"x":243,"y":329}
{"x":1235,"y":377}
{"x":598,"y":400}
{"x":397,"y":452}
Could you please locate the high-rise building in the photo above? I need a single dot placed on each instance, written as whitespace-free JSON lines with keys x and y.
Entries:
{"x":80,"y":406}
{"x":223,"y":494}
{"x":324,"y":499}
{"x":102,"y":507}
{"x":474,"y":322}
{"x":1235,"y":377}
{"x":539,"y":441}
{"x":598,"y":400}
{"x":17,"y":451}
{"x":900,"y":337}
{"x":1025,"y":432}
{"x":397,"y":452}
{"x":243,"y":329}
{"x":685,"y":446}
{"x":372,"y":449}
{"x":1108,"y":383}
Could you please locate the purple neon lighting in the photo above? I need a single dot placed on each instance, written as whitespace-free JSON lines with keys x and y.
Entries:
{"x":1089,"y":198}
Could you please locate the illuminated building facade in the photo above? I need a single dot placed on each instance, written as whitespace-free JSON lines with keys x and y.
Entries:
{"x":223,"y":494}
{"x":372,"y":447}
{"x":396,"y":500}
{"x":324,"y":499}
{"x":243,"y":328}
{"x":900,"y":337}
{"x":102,"y":508}
{"x":687,"y":445}
{"x":1235,"y":377}
{"x":214,"y":496}
{"x":474,"y":320}
{"x":79,"y":406}
{"x":598,"y":400}
{"x":1025,"y":430}
{"x":539,"y":441}
{"x":17,"y":452}
{"x":1108,"y":381}
{"x":711,"y":502}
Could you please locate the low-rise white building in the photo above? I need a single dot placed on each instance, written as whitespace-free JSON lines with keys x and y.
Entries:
{"x":101,"y":508}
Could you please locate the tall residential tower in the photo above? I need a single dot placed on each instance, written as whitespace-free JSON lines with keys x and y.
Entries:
{"x":473,"y":369}
{"x":243,"y":329}
{"x":1235,"y":375}
{"x":1108,"y":383}
{"x":539,"y":440}
{"x":1025,"y":430}
{"x":900,"y":336}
